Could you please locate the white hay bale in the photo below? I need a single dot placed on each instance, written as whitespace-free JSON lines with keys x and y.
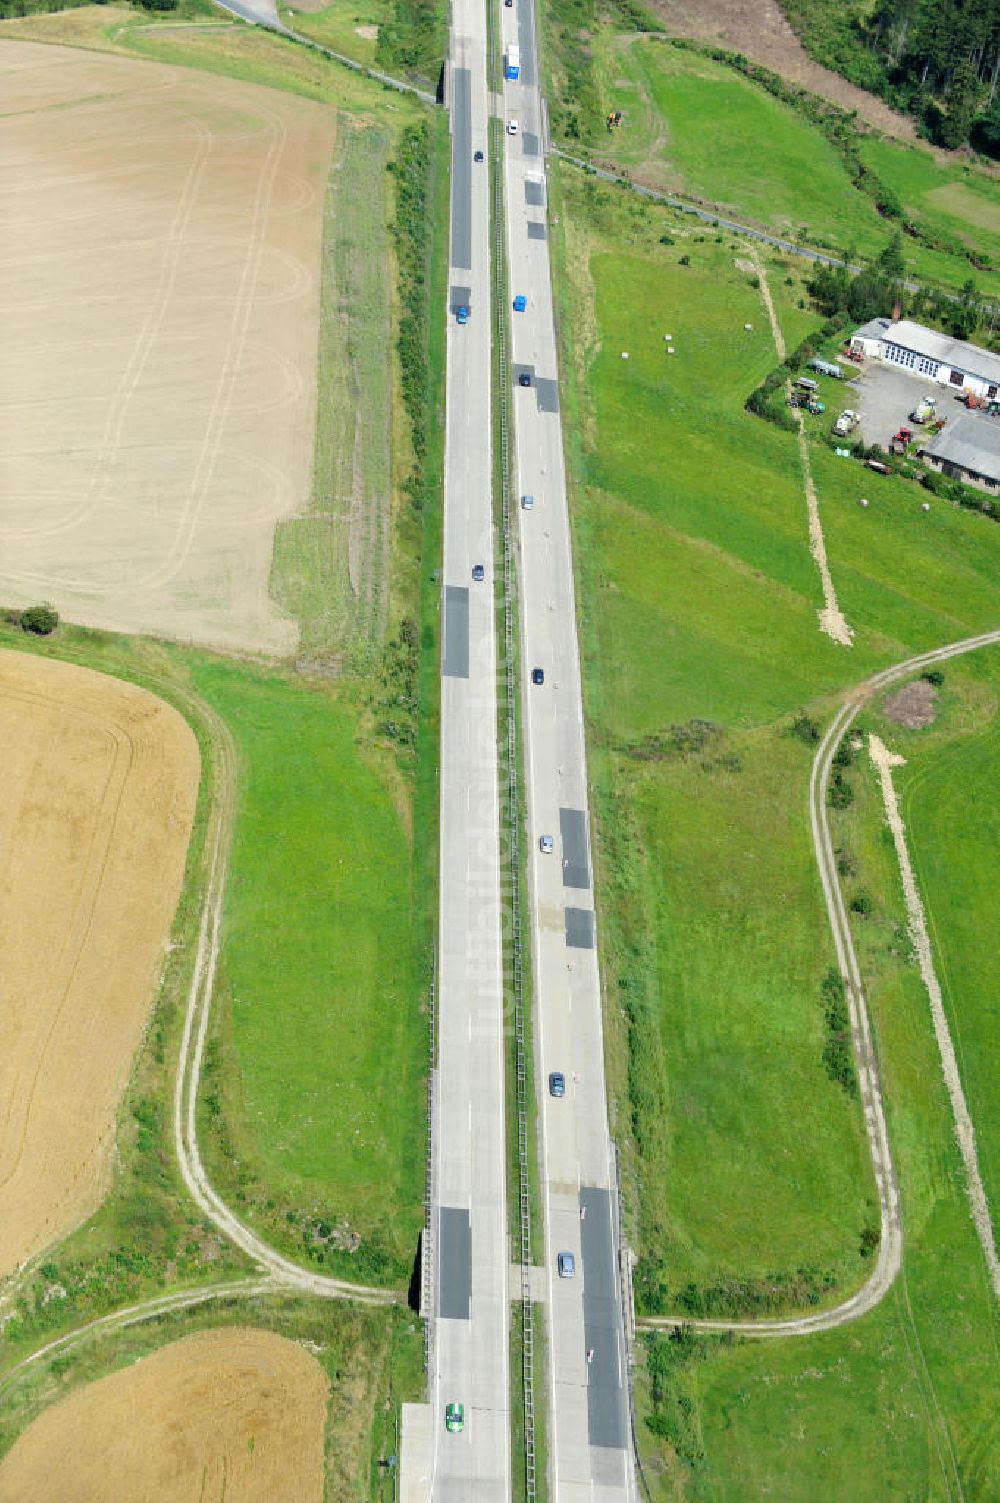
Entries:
{"x":925,"y":506}
{"x":624,"y":354}
{"x":863,"y":501}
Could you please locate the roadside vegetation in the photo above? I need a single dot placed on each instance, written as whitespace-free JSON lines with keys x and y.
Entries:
{"x":745,"y":1168}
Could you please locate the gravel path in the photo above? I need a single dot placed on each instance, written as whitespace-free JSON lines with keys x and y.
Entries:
{"x":885,"y":761}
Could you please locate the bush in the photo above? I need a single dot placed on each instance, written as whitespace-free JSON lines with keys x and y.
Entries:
{"x":838,"y":1054}
{"x":806,"y":729}
{"x":934,"y":676}
{"x":841,"y":794}
{"x":42,"y":620}
{"x":862,"y":905}
{"x":667,"y":240}
{"x":684,"y":261}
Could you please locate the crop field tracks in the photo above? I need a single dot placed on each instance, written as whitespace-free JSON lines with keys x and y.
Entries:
{"x":221,"y":775}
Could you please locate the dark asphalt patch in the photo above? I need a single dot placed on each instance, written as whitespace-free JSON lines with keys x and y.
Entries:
{"x":536,"y":231}
{"x":575,"y":861}
{"x":456,"y":632}
{"x":461,"y":297}
{"x":534,"y":192}
{"x":530,"y":144}
{"x":526,"y":42}
{"x":461,"y":169}
{"x":580,"y":928}
{"x":548,"y":394}
{"x":601,"y":1322}
{"x":454,"y":1263}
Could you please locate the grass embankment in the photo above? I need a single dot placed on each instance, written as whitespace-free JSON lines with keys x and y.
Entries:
{"x":406,"y":38}
{"x":705,"y":674}
{"x":683,"y":115}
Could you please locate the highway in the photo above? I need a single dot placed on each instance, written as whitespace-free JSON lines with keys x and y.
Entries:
{"x":588,"y":1421}
{"x":469,"y":1220}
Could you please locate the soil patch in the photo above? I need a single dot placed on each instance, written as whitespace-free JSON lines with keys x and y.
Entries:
{"x":100,"y":781}
{"x":758,"y":29}
{"x":222,"y":1415}
{"x":914,"y":706}
{"x":159,"y":291}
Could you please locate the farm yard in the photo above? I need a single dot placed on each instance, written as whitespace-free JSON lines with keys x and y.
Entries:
{"x":707,"y":680}
{"x":100,"y":786}
{"x":160,"y":288}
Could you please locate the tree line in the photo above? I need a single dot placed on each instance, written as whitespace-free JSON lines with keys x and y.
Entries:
{"x":938,"y":60}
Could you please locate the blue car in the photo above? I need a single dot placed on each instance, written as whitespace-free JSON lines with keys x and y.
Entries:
{"x":463,"y":315}
{"x":520,"y":303}
{"x":557,"y":1084}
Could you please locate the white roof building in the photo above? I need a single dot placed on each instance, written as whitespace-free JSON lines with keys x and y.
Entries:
{"x":937,"y":357}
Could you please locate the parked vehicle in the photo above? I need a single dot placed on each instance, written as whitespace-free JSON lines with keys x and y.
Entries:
{"x":557,"y":1084}
{"x":566,"y":1264}
{"x":454,"y":1418}
{"x":477,"y":156}
{"x":512,"y":127}
{"x":512,"y":72}
{"x":900,"y":440}
{"x":462,"y":315}
{"x":538,"y":675}
{"x":546,"y":845}
{"x":478,"y":573}
{"x":520,"y":303}
{"x":527,"y":503}
{"x":826,"y":368}
{"x":806,"y":383}
{"x":924,"y":411}
{"x":846,"y":423}
{"x":524,"y":379}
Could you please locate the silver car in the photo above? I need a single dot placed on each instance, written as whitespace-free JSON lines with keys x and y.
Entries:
{"x":546,"y":845}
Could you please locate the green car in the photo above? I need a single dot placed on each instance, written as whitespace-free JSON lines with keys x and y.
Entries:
{"x":454,"y":1418}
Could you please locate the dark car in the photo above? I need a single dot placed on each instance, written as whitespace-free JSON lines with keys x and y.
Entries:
{"x":566,"y":1264}
{"x":524,"y":379}
{"x":557,"y":1083}
{"x":478,"y":157}
{"x":478,"y":573}
{"x":538,"y":675}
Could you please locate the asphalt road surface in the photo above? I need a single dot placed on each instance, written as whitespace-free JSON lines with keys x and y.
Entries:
{"x":471,"y":1256}
{"x":588,"y":1420}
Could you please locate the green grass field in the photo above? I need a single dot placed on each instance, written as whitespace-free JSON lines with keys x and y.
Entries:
{"x":698,"y":127}
{"x":745,"y":1169}
{"x":949,"y":196}
{"x":323,"y":1038}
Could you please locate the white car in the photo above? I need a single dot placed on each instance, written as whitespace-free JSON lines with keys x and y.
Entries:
{"x":527,"y":503}
{"x":512,"y":127}
{"x":547,"y":845}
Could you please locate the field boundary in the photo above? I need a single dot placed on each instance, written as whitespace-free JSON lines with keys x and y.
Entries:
{"x":889,"y":1263}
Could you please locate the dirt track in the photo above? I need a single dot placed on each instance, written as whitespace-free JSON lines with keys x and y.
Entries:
{"x":159,"y":297}
{"x":100,"y":784}
{"x":226,"y":1414}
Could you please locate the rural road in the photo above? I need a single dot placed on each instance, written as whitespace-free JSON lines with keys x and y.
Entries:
{"x":889,"y":1259}
{"x":588,"y":1419}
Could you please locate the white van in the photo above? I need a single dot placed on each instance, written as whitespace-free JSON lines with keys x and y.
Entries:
{"x":512,"y":127}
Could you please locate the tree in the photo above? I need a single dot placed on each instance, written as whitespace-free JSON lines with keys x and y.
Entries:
{"x":962,"y":95}
{"x":890,"y":261}
{"x":40,"y":619}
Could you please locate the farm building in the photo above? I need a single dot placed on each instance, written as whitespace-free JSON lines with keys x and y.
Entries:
{"x":967,"y":449}
{"x":949,"y":362}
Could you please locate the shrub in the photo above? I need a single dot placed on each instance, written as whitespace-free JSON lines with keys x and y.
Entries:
{"x":42,"y":620}
{"x":806,"y":729}
{"x":841,"y":794}
{"x":838,"y":1055}
{"x":862,"y":905}
{"x":684,"y":261}
{"x":934,"y":676}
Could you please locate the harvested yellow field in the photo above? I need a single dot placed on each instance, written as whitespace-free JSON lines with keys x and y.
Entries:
{"x":100,"y":781}
{"x":221,"y":1417}
{"x":159,"y":294}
